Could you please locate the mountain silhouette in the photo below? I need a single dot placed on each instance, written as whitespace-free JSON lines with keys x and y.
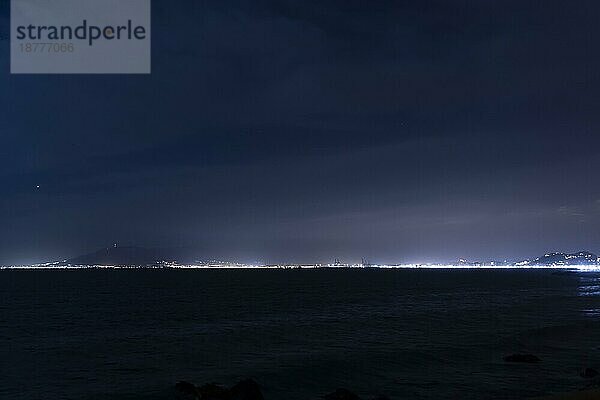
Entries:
{"x":129,"y":255}
{"x":558,"y":259}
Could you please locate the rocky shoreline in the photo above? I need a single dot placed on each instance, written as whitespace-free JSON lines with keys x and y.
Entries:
{"x":248,"y":389}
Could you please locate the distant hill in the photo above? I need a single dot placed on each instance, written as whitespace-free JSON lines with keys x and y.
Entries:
{"x":558,"y":259}
{"x":130,"y":256}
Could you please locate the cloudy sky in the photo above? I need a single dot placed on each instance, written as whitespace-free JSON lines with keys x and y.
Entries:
{"x":311,"y":130}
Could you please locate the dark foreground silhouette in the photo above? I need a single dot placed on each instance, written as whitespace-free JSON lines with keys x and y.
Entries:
{"x":247,"y":389}
{"x":244,"y":390}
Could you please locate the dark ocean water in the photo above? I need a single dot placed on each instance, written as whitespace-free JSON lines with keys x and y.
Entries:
{"x":409,"y":334}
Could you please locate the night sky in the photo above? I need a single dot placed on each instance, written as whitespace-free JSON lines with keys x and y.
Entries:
{"x":303,"y":131}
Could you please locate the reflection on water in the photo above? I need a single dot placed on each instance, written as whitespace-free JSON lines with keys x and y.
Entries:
{"x":592,"y":312}
{"x":590,"y":288}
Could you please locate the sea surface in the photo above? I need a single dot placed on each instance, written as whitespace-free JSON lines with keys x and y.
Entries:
{"x":408,"y":334}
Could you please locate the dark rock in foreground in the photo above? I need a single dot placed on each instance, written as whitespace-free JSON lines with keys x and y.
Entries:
{"x":188,"y":390}
{"x":244,"y":390}
{"x":522,"y":358}
{"x":212,"y":391}
{"x":247,"y":389}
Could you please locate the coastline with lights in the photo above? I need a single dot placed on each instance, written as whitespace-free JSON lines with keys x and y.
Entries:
{"x":582,"y":261}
